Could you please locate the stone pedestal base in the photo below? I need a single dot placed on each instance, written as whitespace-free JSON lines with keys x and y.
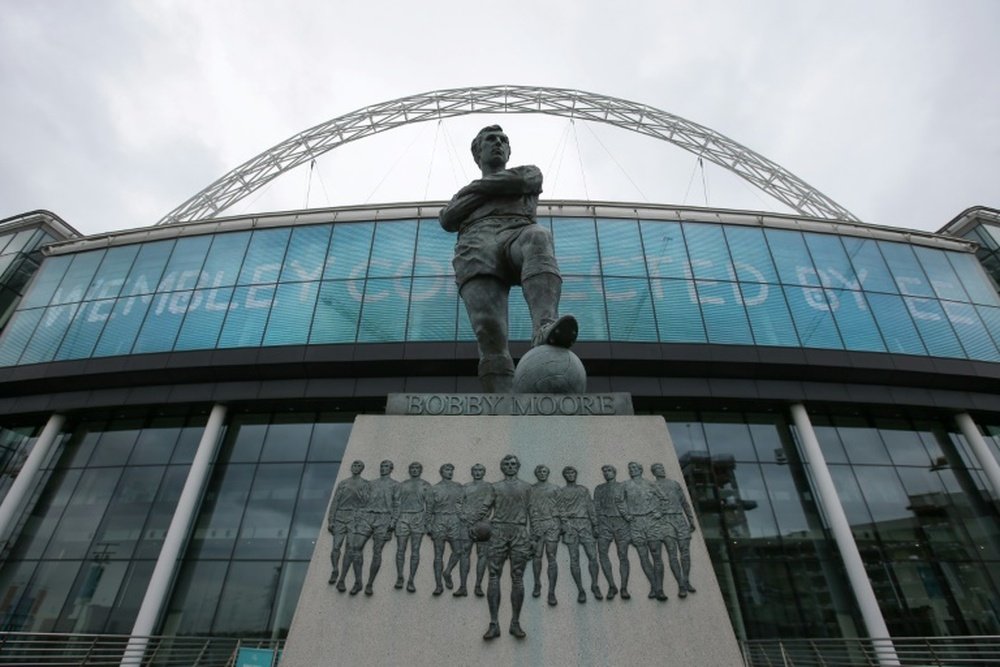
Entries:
{"x":394,"y":627}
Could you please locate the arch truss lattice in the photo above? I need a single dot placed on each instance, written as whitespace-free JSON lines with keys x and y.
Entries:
{"x":641,"y":118}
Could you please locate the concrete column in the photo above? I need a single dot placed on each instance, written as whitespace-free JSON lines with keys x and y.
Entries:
{"x":177,"y":534}
{"x":841,"y":529}
{"x":28,"y":474}
{"x":981,"y":450}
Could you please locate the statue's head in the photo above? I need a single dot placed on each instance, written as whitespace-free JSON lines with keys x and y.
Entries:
{"x":569,"y":474}
{"x":478,"y":471}
{"x":541,"y":472}
{"x":385,"y":467}
{"x":447,"y":471}
{"x":609,"y":472}
{"x":658,"y":470}
{"x":634,"y":469}
{"x":416,"y":469}
{"x":357,"y":467}
{"x":491,"y":146}
{"x":510,"y":465}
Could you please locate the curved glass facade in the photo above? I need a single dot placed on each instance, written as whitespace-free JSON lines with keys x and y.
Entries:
{"x":391,"y":281}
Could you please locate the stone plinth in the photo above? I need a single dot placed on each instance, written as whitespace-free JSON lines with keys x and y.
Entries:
{"x":393,"y":627}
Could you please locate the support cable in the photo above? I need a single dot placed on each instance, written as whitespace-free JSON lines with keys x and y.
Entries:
{"x":617,"y":163}
{"x":579,"y":157}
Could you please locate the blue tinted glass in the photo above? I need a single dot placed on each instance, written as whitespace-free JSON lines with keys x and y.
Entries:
{"x":433,"y":309}
{"x":970,"y":330}
{"x":991,"y":318}
{"x":163,"y":321}
{"x":77,"y":278}
{"x":435,"y":248}
{"x":666,"y":256}
{"x":200,"y":330}
{"x":869,"y":266}
{"x":831,"y":261}
{"x":291,"y":314}
{"x":46,"y":281}
{"x":576,"y":246}
{"x":584,"y":298}
{"x":17,"y":334}
{"x":630,"y":309}
{"x":770,"y":320}
{"x":942,"y":277}
{"x":978,"y":285}
{"x":722,"y":308}
{"x":750,"y":254}
{"x":383,"y":313}
{"x":520,"y":320}
{"x":147,"y":268}
{"x":224,"y":259}
{"x":934,"y":328}
{"x":244,"y":326}
{"x":621,"y":249}
{"x":855,"y":320}
{"x":349,"y":250}
{"x":85,"y":329}
{"x":906,"y":271}
{"x":791,"y":257}
{"x":707,"y":251}
{"x":48,"y":334}
{"x":264,"y":256}
{"x":678,"y":316}
{"x":306,"y":253}
{"x":111,"y":275}
{"x":896,"y":324}
{"x":392,"y":252}
{"x":811,"y":315}
{"x":337,"y":311}
{"x":121,"y":328}
{"x":184,"y":268}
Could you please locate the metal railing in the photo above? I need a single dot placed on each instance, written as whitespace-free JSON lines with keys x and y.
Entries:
{"x":908,"y":651}
{"x":30,"y":648}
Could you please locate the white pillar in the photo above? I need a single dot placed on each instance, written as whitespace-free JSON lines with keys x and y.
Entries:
{"x":981,"y":450}
{"x":28,"y":474}
{"x":177,"y":533}
{"x":841,"y":529}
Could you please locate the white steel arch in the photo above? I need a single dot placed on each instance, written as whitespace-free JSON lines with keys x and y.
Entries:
{"x":698,"y":139}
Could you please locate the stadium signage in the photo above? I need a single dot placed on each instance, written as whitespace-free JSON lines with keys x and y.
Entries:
{"x":509,"y":404}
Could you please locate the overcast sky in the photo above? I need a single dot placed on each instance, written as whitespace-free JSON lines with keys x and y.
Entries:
{"x":113,"y":113}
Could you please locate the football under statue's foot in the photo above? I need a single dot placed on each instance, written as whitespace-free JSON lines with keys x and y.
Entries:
{"x":561,"y":333}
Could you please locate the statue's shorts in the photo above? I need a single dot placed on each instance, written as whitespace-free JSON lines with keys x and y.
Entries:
{"x":643,"y":529}
{"x":577,"y":530}
{"x":484,"y":249}
{"x":372,"y":524}
{"x":510,"y":539}
{"x":545,"y":530}
{"x":613,"y":528}
{"x":410,"y":523}
{"x":449,"y":527}
{"x":341,"y":524}
{"x":677,"y":527}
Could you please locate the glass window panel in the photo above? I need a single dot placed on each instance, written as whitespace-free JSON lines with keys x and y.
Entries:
{"x":813,"y":320}
{"x":225,"y":257}
{"x":350,"y":250}
{"x":975,"y":281}
{"x":576,"y":246}
{"x":306,"y":253}
{"x":245,"y":436}
{"x":896,"y":324}
{"x":187,"y":443}
{"x":686,"y":433}
{"x":855,"y":320}
{"x":264,"y":256}
{"x":940,"y":274}
{"x":584,"y":297}
{"x":156,"y":442}
{"x":707,"y":251}
{"x":244,"y":326}
{"x":329,"y":439}
{"x":73,"y":537}
{"x":383,"y":314}
{"x":433,"y":309}
{"x":727,"y":435}
{"x":47,"y":279}
{"x":934,"y":328}
{"x":247,"y":596}
{"x":853,"y":503}
{"x":791,"y":257}
{"x":971,"y":332}
{"x":78,"y":276}
{"x":161,"y":512}
{"x":435,"y":248}
{"x":122,"y":615}
{"x":787,"y":503}
{"x":204,"y":318}
{"x":751,"y":257}
{"x":221,"y":512}
{"x":861,"y":442}
{"x":766,"y":432}
{"x":49,"y":333}
{"x":85,"y":329}
{"x":756,"y":517}
{"x":17,"y":334}
{"x":17,"y":241}
{"x":48,"y":590}
{"x":195,"y":597}
{"x":115,"y":442}
{"x":122,"y":527}
{"x":5,"y":263}
{"x":122,"y":326}
{"x":268,"y":515}
{"x":829,"y":440}
{"x":666,"y":255}
{"x":337,"y":312}
{"x":831,"y":261}
{"x":392,"y":252}
{"x":291,"y":313}
{"x":770,"y":320}
{"x":111,"y":275}
{"x":630,"y":309}
{"x":292,"y":577}
{"x":620,"y":248}
{"x":906,"y":271}
{"x":678,"y":316}
{"x":722,"y":308}
{"x":990,"y":317}
{"x":887,"y":501}
{"x":15,"y":604}
{"x":314,"y":495}
{"x":184,"y":268}
{"x":905,"y":446}
{"x":147,"y":268}
{"x":45,"y":515}
{"x":869,"y":265}
{"x":287,"y":438}
{"x":163,"y":321}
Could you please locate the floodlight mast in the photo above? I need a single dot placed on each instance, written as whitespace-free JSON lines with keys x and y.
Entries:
{"x":567,"y":103}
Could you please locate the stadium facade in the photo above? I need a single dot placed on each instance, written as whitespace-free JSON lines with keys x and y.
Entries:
{"x":239,"y":349}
